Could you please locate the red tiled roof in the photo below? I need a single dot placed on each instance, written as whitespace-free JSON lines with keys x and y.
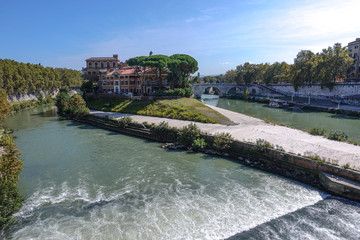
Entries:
{"x":126,"y":71}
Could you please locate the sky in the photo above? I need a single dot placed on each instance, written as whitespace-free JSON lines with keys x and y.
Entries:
{"x":219,"y":34}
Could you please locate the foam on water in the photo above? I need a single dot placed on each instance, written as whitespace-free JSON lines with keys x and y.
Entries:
{"x":174,"y":210}
{"x":88,"y":183}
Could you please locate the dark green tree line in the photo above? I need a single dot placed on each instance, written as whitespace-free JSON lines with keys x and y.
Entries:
{"x":326,"y":67}
{"x":16,"y":77}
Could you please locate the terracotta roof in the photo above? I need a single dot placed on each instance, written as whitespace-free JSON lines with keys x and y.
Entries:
{"x":102,"y":59}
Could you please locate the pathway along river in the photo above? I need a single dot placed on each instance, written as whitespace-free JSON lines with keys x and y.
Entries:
{"x":81,"y":182}
{"x":303,"y":120}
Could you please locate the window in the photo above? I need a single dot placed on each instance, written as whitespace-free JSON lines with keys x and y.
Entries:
{"x":355,"y":55}
{"x":356,"y":46}
{"x":94,"y":73}
{"x":132,"y":90}
{"x":89,"y":73}
{"x":138,"y":82}
{"x":102,"y":64}
{"x":350,"y":55}
{"x":148,"y":83}
{"x":126,"y":90}
{"x":122,"y":82}
{"x":350,"y":49}
{"x":96,"y":65}
{"x":132,"y":82}
{"x":90,"y":64}
{"x":116,"y":82}
{"x":114,"y":64}
{"x":108,"y":65}
{"x":126,"y":82}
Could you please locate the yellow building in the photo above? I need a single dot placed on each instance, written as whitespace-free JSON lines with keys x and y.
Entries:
{"x":354,"y":52}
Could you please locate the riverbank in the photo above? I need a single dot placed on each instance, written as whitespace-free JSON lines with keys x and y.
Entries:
{"x":250,"y":129}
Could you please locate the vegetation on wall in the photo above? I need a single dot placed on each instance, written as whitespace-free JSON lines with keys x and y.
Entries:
{"x":16,"y":77}
{"x":324,"y":67}
{"x":73,"y":107}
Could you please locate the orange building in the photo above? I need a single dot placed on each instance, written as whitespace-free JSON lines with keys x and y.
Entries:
{"x":135,"y":80}
{"x":96,"y":65}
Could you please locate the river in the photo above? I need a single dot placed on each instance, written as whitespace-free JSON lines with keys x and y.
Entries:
{"x":81,"y":182}
{"x":303,"y":120}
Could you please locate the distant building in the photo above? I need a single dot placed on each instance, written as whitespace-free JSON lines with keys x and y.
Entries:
{"x":137,"y":80}
{"x":95,"y":66}
{"x":354,"y":52}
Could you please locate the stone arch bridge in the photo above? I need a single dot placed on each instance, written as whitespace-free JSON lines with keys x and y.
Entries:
{"x":224,"y":88}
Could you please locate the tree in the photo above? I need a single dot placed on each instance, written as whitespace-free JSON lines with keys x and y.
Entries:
{"x":333,"y":63}
{"x":158,"y":63}
{"x":5,"y":107}
{"x":181,"y":66}
{"x":304,"y":68}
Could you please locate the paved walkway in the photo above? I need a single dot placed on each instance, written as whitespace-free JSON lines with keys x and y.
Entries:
{"x":250,"y":129}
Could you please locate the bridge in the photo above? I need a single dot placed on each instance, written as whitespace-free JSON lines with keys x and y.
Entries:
{"x":226,"y":88}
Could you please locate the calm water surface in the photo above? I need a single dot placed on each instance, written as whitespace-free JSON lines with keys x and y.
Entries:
{"x":81,"y":182}
{"x":303,"y":120}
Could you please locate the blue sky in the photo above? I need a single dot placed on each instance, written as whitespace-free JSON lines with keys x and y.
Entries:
{"x":219,"y":34}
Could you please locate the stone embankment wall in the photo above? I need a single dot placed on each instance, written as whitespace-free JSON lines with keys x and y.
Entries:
{"x":288,"y":165}
{"x":17,"y":97}
{"x":340,"y":89}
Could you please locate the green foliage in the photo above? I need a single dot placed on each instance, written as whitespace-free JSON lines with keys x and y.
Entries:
{"x":124,"y":121}
{"x":5,"y":107}
{"x":188,"y":134}
{"x":316,"y":158}
{"x":74,"y":107}
{"x":346,"y":166}
{"x":317,"y":131}
{"x":10,"y":168}
{"x":182,"y":108}
{"x":262,"y":145}
{"x":198,"y":143}
{"x":181,"y":66}
{"x":88,"y":86}
{"x":164,"y":132}
{"x":338,"y":136}
{"x":20,"y":77}
{"x":325,"y":68}
{"x":222,"y":141}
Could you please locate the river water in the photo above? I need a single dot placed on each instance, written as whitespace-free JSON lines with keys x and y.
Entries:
{"x":303,"y":120}
{"x":81,"y":182}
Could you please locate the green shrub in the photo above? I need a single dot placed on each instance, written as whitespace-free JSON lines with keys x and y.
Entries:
{"x":262,"y":145}
{"x":188,"y":134}
{"x":346,"y":166}
{"x":10,"y":168}
{"x":317,"y":131}
{"x":198,"y":143}
{"x":164,"y":132}
{"x":124,"y":121}
{"x":338,"y":136}
{"x":222,"y":141}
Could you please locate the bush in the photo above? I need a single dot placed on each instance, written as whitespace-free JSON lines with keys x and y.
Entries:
{"x":198,"y":143}
{"x":124,"y":121}
{"x":338,"y":136}
{"x":222,"y":141}
{"x":10,"y":168}
{"x":163,"y":132}
{"x":188,"y":134}
{"x":262,"y":145}
{"x":317,"y":131}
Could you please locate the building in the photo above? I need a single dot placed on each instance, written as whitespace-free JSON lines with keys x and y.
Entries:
{"x":137,"y":80}
{"x":95,"y":66}
{"x":354,"y":52}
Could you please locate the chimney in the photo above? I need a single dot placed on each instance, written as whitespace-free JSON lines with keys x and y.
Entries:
{"x":115,"y":56}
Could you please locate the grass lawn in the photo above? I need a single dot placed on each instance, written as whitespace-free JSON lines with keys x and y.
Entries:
{"x":182,"y":108}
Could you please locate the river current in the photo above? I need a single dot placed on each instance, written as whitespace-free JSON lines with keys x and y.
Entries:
{"x":81,"y":182}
